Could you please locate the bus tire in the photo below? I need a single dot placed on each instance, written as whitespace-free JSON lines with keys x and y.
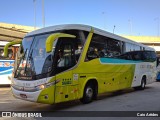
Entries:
{"x":88,"y":94}
{"x":95,"y":92}
{"x":143,"y":84}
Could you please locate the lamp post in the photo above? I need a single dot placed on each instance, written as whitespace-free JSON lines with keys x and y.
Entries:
{"x":34,"y":1}
{"x":43,"y":15}
{"x":104,"y":25}
{"x":114,"y":28}
{"x":157,"y":25}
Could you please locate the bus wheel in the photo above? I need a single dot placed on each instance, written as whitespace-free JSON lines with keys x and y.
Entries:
{"x":142,"y":86}
{"x":87,"y":94}
{"x":95,"y":92}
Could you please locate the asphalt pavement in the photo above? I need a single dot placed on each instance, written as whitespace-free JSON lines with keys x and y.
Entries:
{"x":125,"y":101}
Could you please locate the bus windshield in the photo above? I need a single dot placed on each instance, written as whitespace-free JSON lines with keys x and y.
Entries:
{"x":33,"y":56}
{"x":36,"y":63}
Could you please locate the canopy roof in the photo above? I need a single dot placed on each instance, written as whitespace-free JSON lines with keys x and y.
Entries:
{"x":144,"y":39}
{"x":10,"y":32}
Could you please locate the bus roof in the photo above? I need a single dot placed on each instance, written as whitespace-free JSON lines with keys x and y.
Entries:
{"x":85,"y":28}
{"x":3,"y":43}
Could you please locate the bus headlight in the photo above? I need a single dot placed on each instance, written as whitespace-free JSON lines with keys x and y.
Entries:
{"x":43,"y":86}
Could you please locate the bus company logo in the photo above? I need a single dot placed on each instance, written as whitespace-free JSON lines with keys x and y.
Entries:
{"x":6,"y":114}
{"x":21,"y":114}
{"x":6,"y":64}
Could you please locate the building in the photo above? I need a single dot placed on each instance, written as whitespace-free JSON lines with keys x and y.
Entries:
{"x":151,"y":41}
{"x":10,"y":32}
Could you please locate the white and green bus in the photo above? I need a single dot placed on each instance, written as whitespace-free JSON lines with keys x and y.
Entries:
{"x":6,"y":63}
{"x":68,"y":62}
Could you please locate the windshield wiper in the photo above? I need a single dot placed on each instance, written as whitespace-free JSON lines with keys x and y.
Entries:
{"x":31,"y":62}
{"x":20,"y":61}
{"x":29,"y":56}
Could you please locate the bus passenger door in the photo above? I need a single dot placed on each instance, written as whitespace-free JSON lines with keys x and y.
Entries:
{"x":66,"y":88}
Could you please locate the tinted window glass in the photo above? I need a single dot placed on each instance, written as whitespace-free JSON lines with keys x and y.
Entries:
{"x":101,"y":47}
{"x":136,"y":56}
{"x":147,"y":56}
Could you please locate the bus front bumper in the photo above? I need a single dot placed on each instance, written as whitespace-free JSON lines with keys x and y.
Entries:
{"x":29,"y":96}
{"x":43,"y":95}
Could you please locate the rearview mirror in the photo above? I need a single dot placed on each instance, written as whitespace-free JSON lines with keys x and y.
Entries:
{"x":50,"y":40}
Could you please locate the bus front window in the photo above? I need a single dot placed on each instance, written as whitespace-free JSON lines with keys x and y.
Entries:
{"x":34,"y":61}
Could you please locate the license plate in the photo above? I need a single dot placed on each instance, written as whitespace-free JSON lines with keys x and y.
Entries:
{"x":23,"y":96}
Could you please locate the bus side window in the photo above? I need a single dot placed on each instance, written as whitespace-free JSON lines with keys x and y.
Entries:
{"x":136,"y":56}
{"x":149,"y":56}
{"x":91,"y":54}
{"x":114,"y":48}
{"x":96,"y":48}
{"x":146,"y":55}
{"x":126,"y":56}
{"x":65,"y":55}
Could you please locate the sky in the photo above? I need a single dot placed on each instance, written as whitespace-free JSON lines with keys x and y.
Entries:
{"x":130,"y":17}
